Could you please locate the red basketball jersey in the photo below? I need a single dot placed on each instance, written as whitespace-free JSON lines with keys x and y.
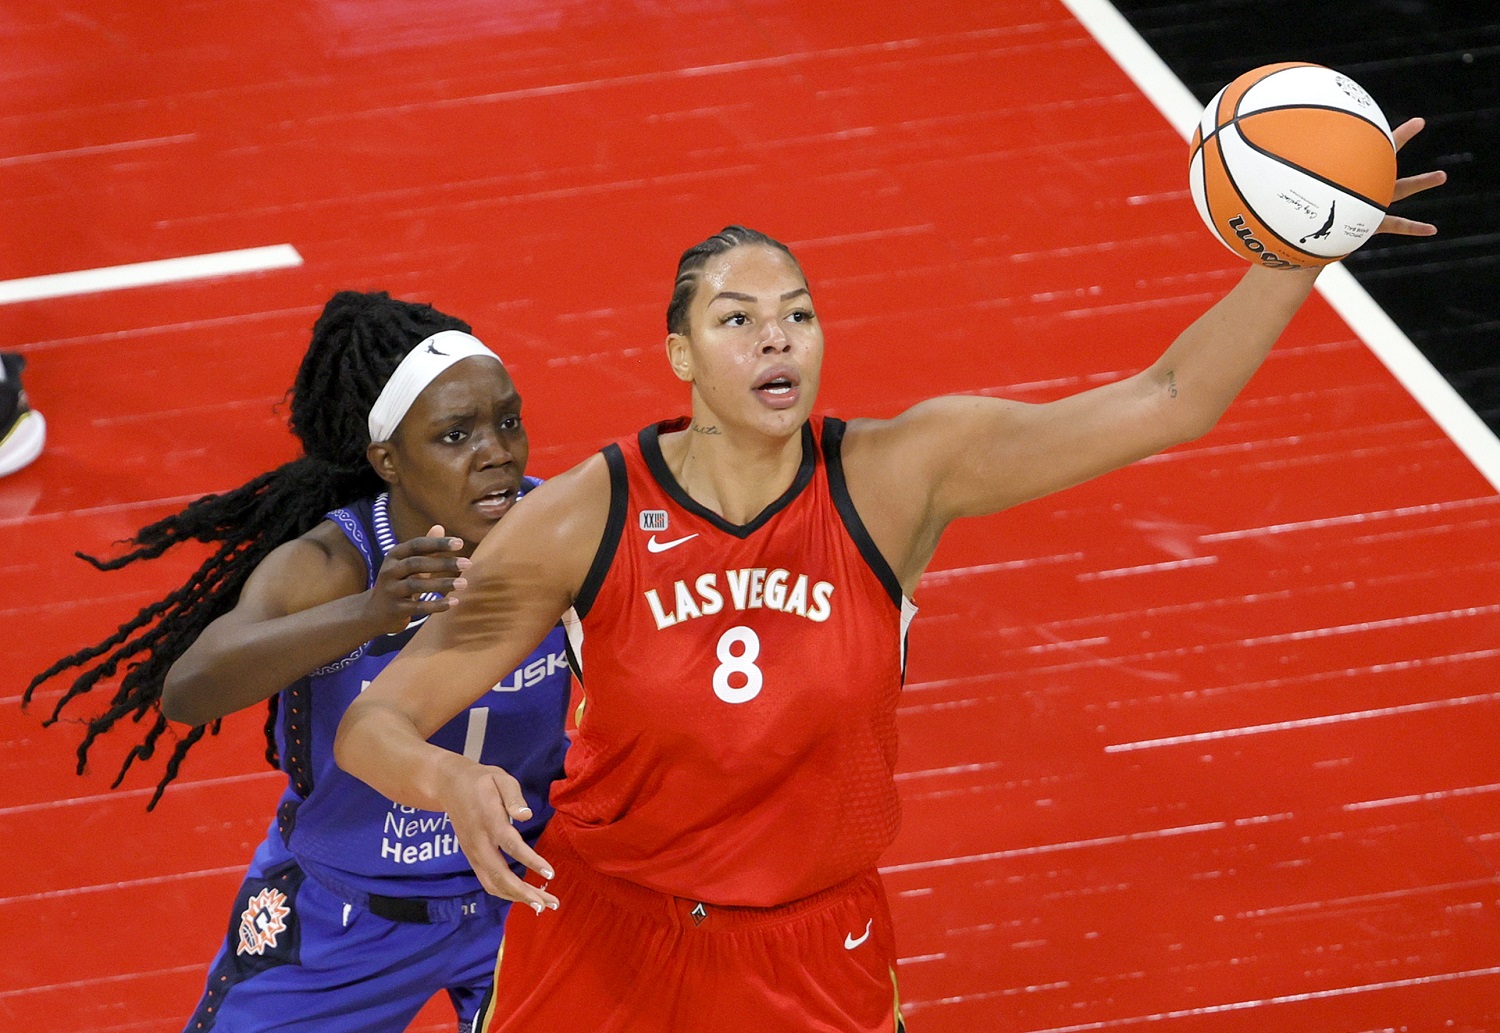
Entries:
{"x":738,"y":738}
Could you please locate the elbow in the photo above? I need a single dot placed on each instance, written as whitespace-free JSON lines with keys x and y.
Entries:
{"x":1171,"y":413}
{"x":1196,"y":426}
{"x":1182,"y":421}
{"x":181,"y":699}
{"x":344,"y":752}
{"x":341,"y":744}
{"x":354,"y":750}
{"x":175,"y":703}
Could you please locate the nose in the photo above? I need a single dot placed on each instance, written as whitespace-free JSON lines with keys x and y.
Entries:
{"x":773,"y":338}
{"x":490,"y":449}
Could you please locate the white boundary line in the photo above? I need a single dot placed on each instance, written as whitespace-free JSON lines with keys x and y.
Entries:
{"x":1353,"y":304}
{"x":144,"y":274}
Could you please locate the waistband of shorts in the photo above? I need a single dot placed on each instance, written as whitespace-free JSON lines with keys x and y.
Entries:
{"x":685,"y":911}
{"x":414,"y":910}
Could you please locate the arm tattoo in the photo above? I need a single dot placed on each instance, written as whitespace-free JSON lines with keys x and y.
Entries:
{"x":1172,"y":383}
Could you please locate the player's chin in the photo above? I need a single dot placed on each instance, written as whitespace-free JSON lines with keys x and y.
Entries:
{"x":787,"y":415}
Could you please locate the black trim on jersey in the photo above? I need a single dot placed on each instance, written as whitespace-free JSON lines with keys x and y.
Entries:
{"x":655,"y":462}
{"x":575,"y":662}
{"x":833,"y":442}
{"x":286,"y":820}
{"x":296,"y":731}
{"x":619,"y":500}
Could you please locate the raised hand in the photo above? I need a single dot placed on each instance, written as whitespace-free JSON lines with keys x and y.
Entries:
{"x":419,"y":577}
{"x":1410,"y":185}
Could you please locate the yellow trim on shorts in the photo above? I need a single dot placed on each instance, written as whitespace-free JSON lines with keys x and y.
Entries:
{"x":900,"y":1026}
{"x":482,"y":1020}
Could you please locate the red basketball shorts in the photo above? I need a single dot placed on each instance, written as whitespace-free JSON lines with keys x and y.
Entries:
{"x":619,"y":958}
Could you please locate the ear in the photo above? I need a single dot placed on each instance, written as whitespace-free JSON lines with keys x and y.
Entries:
{"x":680,"y":355}
{"x":382,"y":459}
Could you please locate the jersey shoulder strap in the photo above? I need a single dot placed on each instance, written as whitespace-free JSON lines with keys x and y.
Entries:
{"x":360,"y":524}
{"x":614,"y":526}
{"x":838,"y":488}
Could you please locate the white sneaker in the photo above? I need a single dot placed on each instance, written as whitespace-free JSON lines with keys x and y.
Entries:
{"x":23,"y":431}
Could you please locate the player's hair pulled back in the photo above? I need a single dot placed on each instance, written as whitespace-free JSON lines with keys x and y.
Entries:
{"x":357,"y":343}
{"x":696,"y":257}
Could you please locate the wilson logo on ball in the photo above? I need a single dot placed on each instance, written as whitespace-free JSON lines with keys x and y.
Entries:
{"x":1254,"y":246}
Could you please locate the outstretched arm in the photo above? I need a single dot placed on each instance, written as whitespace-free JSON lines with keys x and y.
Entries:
{"x":526,"y":573}
{"x":976,"y":455}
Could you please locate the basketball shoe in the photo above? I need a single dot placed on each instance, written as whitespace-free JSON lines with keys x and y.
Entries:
{"x":22,"y":429}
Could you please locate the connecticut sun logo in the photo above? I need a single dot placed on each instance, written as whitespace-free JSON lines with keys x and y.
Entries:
{"x":262,"y":921}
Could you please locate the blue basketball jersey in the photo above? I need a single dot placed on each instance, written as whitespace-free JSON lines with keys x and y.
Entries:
{"x":346,"y":833}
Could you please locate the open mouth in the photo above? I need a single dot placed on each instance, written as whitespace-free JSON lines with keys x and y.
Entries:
{"x":778,"y":386}
{"x":494,"y":504}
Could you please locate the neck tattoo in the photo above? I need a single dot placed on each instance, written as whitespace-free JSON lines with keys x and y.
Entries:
{"x":699,"y":429}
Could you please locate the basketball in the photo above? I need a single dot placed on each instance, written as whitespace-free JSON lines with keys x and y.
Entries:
{"x":1293,"y":165}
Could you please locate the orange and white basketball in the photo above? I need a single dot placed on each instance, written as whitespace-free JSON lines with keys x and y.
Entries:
{"x":1293,"y":165}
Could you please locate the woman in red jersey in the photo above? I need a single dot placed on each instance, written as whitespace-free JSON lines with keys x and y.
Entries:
{"x":741,"y":581}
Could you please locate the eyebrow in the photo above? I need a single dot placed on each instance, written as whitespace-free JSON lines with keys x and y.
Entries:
{"x":737,"y":296}
{"x":509,"y":402}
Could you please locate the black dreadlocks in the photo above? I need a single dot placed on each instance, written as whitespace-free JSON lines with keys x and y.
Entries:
{"x":357,"y":342}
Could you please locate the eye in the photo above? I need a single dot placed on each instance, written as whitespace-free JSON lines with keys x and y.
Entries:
{"x":510,"y":423}
{"x":801,"y":315}
{"x":735,"y":319}
{"x":454,"y":436}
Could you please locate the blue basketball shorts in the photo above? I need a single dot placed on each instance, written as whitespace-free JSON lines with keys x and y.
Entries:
{"x":298,"y":958}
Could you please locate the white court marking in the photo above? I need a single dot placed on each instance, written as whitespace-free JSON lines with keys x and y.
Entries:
{"x":1353,"y":304}
{"x":147,"y":274}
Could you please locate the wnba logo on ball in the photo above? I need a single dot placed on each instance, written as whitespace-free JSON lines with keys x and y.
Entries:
{"x":1269,"y":258}
{"x":1354,"y":91}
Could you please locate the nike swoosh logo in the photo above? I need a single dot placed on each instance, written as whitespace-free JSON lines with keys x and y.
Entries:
{"x":655,"y":546}
{"x":850,"y":942}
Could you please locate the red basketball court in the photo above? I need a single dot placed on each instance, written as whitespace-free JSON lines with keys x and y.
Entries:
{"x":1206,"y":745}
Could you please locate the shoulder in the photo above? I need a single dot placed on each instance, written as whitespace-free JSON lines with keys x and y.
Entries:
{"x":899,"y":447}
{"x":564,"y":504}
{"x":576,"y":484}
{"x":895,"y":471}
{"x":943,"y":415}
{"x":527,"y":571}
{"x":934,"y":432}
{"x":329,"y":548}
{"x":318,"y":567}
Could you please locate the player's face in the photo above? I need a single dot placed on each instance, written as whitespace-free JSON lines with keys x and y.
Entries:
{"x":458,"y":456}
{"x":754,"y":348}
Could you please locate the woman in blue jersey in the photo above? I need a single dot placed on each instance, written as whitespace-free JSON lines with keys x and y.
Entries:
{"x":354,"y":910}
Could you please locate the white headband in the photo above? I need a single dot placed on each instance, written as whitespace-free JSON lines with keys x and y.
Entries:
{"x":422,"y":365}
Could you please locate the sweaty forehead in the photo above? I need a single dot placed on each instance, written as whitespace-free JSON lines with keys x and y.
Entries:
{"x":762,"y":272}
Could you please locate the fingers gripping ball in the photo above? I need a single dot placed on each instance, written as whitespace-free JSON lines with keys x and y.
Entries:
{"x":1292,"y":165}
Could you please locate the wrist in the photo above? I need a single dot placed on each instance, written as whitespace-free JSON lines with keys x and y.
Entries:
{"x":443,"y":773}
{"x":1279,"y":290}
{"x":374,"y":619}
{"x":1301,"y":277}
